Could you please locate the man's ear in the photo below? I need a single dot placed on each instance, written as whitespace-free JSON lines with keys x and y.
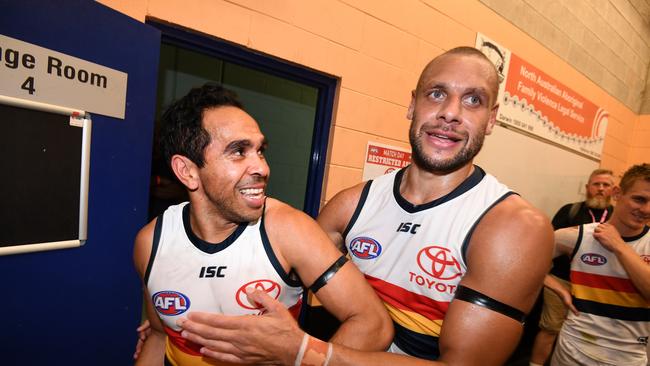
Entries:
{"x":186,"y":171}
{"x":492,"y":120}
{"x":617,"y":192}
{"x":409,"y":112}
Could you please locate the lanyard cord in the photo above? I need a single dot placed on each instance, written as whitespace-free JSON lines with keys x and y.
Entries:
{"x":603,"y":217}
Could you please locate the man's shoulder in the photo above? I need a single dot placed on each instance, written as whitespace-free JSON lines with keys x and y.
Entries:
{"x":276,"y":208}
{"x":282,"y":217}
{"x":515,"y":212}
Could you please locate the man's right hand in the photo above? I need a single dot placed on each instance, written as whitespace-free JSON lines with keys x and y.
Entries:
{"x":144,"y":330}
{"x":271,"y":338}
{"x":562,"y":292}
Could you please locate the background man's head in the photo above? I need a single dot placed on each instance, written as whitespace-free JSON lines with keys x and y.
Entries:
{"x":182,"y":130}
{"x":599,"y":188}
{"x":452,"y":109}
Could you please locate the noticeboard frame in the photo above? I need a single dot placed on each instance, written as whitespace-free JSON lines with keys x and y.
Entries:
{"x":77,"y":119}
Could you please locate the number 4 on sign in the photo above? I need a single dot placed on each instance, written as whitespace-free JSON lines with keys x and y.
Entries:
{"x":29,"y":85}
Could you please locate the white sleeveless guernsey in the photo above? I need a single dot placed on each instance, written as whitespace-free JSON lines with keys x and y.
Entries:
{"x":414,"y":256}
{"x":614,"y":321}
{"x":186,"y":273}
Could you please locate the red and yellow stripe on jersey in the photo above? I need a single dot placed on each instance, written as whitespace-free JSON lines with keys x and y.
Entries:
{"x":412,"y":311}
{"x":609,"y":296}
{"x":182,"y":352}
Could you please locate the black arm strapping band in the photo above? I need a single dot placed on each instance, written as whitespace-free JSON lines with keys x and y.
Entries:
{"x":472,"y":296}
{"x":328,"y":274}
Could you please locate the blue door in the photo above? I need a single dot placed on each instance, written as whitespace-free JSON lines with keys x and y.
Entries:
{"x":80,"y":306}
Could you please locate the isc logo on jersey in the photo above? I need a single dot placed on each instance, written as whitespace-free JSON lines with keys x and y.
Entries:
{"x":170,"y":303}
{"x":593,"y":259}
{"x":270,"y":287}
{"x":365,"y":248}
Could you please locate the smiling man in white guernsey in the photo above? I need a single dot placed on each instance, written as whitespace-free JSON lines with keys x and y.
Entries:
{"x":229,"y":239}
{"x":610,"y":281}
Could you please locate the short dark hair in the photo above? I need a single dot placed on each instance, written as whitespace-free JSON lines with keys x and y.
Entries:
{"x":182,"y":130}
{"x":636,"y":172}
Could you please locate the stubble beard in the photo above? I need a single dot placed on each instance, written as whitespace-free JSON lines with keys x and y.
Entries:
{"x":430,"y":164}
{"x":230,"y":208}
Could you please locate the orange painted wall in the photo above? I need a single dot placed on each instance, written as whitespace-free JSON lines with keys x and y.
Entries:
{"x":377,"y":49}
{"x":640,"y":141}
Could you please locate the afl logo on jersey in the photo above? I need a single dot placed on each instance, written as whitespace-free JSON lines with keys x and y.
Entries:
{"x":365,"y":248}
{"x":170,"y":303}
{"x":593,"y":259}
{"x":438,"y":262}
{"x":271,"y":288}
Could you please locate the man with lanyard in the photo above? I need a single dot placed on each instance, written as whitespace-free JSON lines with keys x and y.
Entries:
{"x":596,"y":208}
{"x":609,"y":322}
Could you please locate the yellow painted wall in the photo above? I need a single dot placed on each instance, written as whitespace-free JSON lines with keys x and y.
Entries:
{"x":377,"y":48}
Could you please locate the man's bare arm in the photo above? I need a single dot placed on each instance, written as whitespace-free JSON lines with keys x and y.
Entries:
{"x":306,"y":248}
{"x":565,"y":241}
{"x":336,"y":214}
{"x":153,"y":349}
{"x":508,"y":256}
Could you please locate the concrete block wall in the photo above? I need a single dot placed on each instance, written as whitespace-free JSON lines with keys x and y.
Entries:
{"x":377,"y":49}
{"x":607,"y":40}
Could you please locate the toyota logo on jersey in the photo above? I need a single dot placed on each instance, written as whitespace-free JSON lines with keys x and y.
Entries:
{"x":365,"y":248}
{"x":268,"y":286}
{"x":439,"y":263}
{"x":646,"y":258}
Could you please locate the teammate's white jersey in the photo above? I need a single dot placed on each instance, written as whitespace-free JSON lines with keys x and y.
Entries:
{"x":186,"y":273}
{"x":614,"y":316}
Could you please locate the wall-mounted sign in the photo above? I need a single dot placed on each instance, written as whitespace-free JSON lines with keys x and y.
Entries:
{"x":382,"y":159}
{"x":533,"y":101}
{"x":35,"y":73}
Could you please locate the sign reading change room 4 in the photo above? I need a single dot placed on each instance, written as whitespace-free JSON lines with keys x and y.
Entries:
{"x":39,"y":74}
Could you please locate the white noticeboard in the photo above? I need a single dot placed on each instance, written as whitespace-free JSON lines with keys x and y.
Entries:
{"x":545,"y":175}
{"x":382,"y":159}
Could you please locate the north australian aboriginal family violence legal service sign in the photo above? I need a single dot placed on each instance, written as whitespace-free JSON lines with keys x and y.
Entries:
{"x":38,"y":74}
{"x":534,"y":102}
